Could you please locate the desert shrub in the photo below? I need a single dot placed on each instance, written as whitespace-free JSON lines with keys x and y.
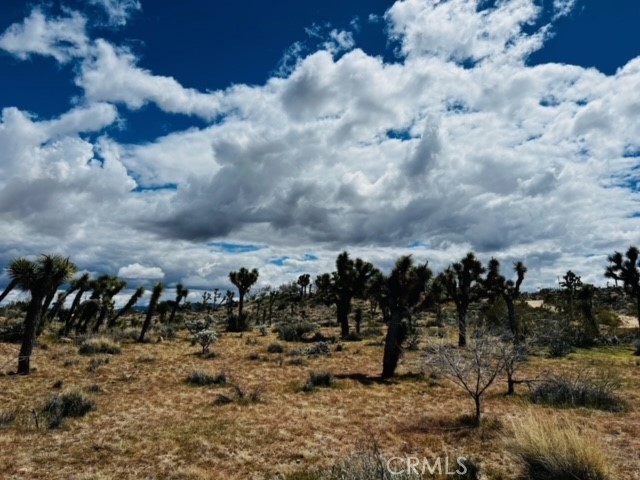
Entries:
{"x":353,"y":337}
{"x":12,"y":331}
{"x":608,"y":317}
{"x":199,"y":377}
{"x":413,"y":342}
{"x":372,"y":332}
{"x":264,"y":330}
{"x":203,"y":333}
{"x":166,"y":331}
{"x":96,"y":363}
{"x":241,"y":395}
{"x":146,"y":359}
{"x":71,"y":362}
{"x":583,"y":390}
{"x":366,"y":463}
{"x":321,"y":379}
{"x":94,"y":388}
{"x":92,"y":346}
{"x":559,"y":346}
{"x":245,"y":396}
{"x":275,"y":348}
{"x":294,"y":332}
{"x":319,"y":348}
{"x":297,"y":362}
{"x":68,"y":404}
{"x":255,"y":357}
{"x":547,"y":450}
{"x":58,"y":384}
{"x":6,"y":418}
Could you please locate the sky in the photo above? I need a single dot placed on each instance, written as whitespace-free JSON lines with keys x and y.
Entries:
{"x":177,"y":141}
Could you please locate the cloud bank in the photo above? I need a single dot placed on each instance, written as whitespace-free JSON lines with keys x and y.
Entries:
{"x":458,"y":144}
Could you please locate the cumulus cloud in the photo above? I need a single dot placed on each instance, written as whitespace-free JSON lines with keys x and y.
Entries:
{"x":461,"y":30}
{"x":62,"y":38}
{"x":137,"y":271}
{"x":457,"y":145}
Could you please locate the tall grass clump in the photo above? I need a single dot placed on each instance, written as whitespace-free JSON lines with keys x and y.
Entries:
{"x":98,"y":345}
{"x":201,"y":378}
{"x":321,"y":379}
{"x":550,"y":450}
{"x":68,"y":404}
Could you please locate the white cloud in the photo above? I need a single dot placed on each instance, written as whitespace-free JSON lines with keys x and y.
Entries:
{"x":110,"y":75}
{"x":62,"y":38}
{"x":459,"y":30}
{"x":118,"y":11}
{"x":137,"y":271}
{"x":563,"y":8}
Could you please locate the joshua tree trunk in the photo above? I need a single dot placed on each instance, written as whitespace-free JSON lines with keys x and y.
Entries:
{"x":89,"y":310}
{"x":7,"y":290}
{"x":462,"y":326}
{"x":476,"y":398}
{"x":396,"y":334}
{"x":104,"y":311}
{"x":514,"y":324}
{"x":343,"y":310}
{"x":638,"y":308}
{"x":68,"y":324}
{"x":510,"y":385}
{"x":31,"y":321}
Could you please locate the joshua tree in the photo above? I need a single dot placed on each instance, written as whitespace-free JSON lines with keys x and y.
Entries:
{"x":571,"y":283}
{"x":626,"y":270}
{"x":498,"y":285}
{"x":62,"y":297}
{"x":40,"y":278}
{"x":82,"y":285}
{"x":155,"y":296}
{"x":374,"y":292}
{"x":462,"y":281}
{"x":243,"y":279}
{"x":340,"y":287}
{"x":304,"y":280}
{"x":404,"y":289}
{"x":132,"y":301}
{"x":112,"y":285}
{"x":181,"y":293}
{"x":586,"y":295}
{"x":99,"y":301}
{"x":16,"y":269}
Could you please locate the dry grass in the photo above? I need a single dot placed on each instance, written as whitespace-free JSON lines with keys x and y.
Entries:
{"x":150,"y":423}
{"x":549,"y":449}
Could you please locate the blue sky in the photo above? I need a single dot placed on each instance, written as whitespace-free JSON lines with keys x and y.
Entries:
{"x":181,"y":140}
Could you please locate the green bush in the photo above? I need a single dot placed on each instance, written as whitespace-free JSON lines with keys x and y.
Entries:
{"x":294,"y":332}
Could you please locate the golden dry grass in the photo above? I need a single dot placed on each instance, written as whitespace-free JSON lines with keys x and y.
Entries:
{"x":553,"y":448}
{"x":150,"y":423}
